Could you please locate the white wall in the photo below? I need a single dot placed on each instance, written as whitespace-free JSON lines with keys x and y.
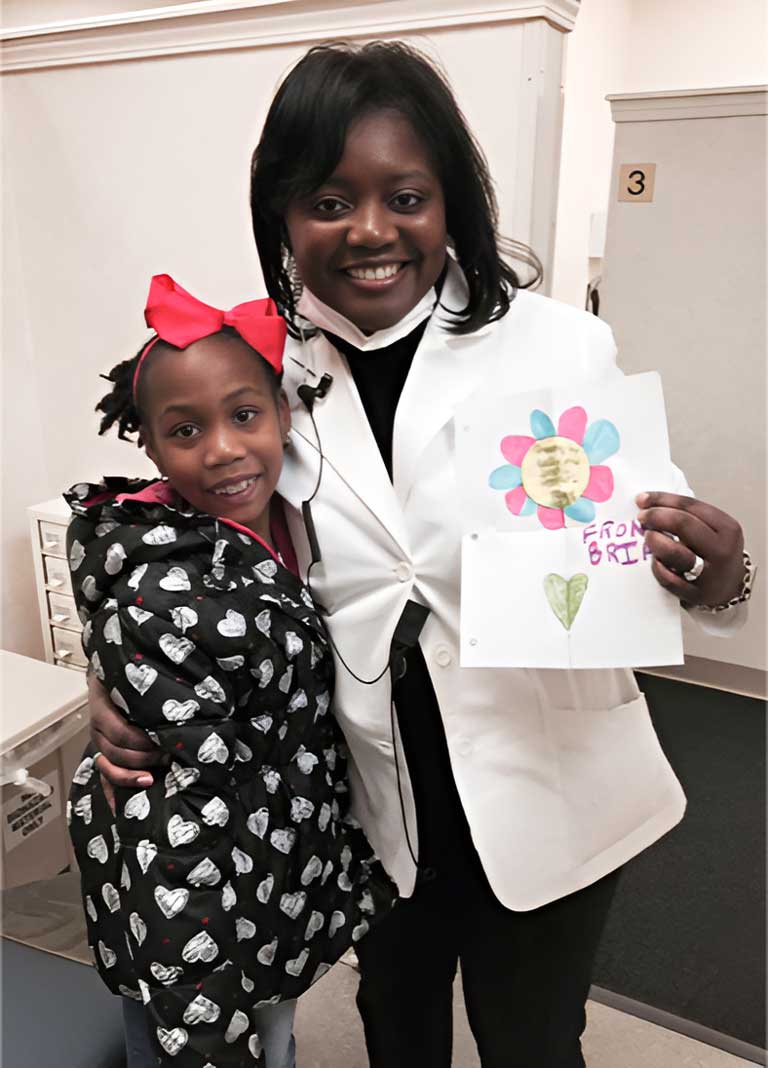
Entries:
{"x":625,"y":46}
{"x":114,"y":171}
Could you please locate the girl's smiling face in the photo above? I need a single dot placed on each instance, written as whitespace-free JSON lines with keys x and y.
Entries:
{"x":214,"y":426}
{"x":371,"y":240}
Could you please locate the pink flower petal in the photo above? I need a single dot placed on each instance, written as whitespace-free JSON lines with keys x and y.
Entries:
{"x":551,"y":518}
{"x":600,"y":485}
{"x":514,"y":447}
{"x":516,"y":499}
{"x":573,"y":423}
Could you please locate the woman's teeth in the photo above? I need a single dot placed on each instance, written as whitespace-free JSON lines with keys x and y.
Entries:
{"x":374,"y":274}
{"x":236,"y":487}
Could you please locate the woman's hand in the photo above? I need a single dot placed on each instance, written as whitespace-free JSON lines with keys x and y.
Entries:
{"x":121,"y":746}
{"x":701,"y":530}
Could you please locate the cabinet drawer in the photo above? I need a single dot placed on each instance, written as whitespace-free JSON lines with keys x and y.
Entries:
{"x":57,"y":574}
{"x":62,"y":611}
{"x":53,"y":539}
{"x":67,"y":648}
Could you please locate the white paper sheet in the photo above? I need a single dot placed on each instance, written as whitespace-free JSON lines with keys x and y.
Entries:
{"x":549,"y":588}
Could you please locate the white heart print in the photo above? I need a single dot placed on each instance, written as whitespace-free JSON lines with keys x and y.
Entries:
{"x":176,"y":581}
{"x":301,"y":809}
{"x":264,"y":673}
{"x":312,"y":869}
{"x":118,"y":700}
{"x":338,"y":920}
{"x":172,"y":1041}
{"x":111,"y":897}
{"x":233,"y":625}
{"x":115,"y":558}
{"x":210,"y":690}
{"x":230,"y":663}
{"x":138,"y":927}
{"x":180,"y":831}
{"x":296,"y":967}
{"x":247,"y":984}
{"x":165,"y":974}
{"x":215,"y":813}
{"x":201,"y":1010}
{"x":254,"y":1046}
{"x":213,"y":750}
{"x":137,"y":806}
{"x":315,"y":924}
{"x":183,"y":618}
{"x":84,"y":808}
{"x":265,"y":571}
{"x":293,"y":904}
{"x":200,"y":947}
{"x":244,"y":929}
{"x":283,"y":839}
{"x":325,"y":815}
{"x":171,"y":902}
{"x":140,"y":676}
{"x":299,"y":700}
{"x":90,"y":908}
{"x":146,"y":852}
{"x":242,"y":752}
{"x":112,"y":632}
{"x":265,"y":888}
{"x":162,"y":534}
{"x":243,"y":863}
{"x":266,"y":954}
{"x":204,"y":874}
{"x":258,"y":822}
{"x":228,"y":897}
{"x":106,"y":528}
{"x":238,"y":1025}
{"x":179,"y":711}
{"x":293,"y":644}
{"x":176,"y":649}
{"x":306,"y":761}
{"x":138,"y":615}
{"x":76,"y":555}
{"x":179,"y":778}
{"x":360,"y":931}
{"x":84,"y":771}
{"x":262,"y":723}
{"x":271,"y":779}
{"x":137,"y":575}
{"x":284,"y":684}
{"x":125,"y":877}
{"x":264,"y":622}
{"x":108,"y":956}
{"x":97,"y":849}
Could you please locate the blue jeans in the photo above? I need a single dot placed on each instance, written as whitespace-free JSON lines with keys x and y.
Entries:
{"x":274,"y":1024}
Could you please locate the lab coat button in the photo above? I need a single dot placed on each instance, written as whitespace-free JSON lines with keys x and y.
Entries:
{"x":403,"y":571}
{"x":443,"y":655}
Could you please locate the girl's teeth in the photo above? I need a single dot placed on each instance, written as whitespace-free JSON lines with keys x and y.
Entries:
{"x":375,"y":274}
{"x":238,"y":487}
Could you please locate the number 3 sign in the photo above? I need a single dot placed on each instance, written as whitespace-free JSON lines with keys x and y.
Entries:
{"x":636,"y":182}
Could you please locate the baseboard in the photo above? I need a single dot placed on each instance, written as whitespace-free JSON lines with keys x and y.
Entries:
{"x":676,"y":1023}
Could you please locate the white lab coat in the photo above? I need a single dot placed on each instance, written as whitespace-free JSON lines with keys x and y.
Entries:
{"x":560,"y":772}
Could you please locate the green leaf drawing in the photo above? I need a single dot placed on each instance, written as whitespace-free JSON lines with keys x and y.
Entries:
{"x":565,"y":596}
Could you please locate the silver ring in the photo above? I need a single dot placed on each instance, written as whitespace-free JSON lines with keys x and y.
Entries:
{"x":695,"y":571}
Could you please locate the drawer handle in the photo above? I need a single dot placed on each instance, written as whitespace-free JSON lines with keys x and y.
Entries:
{"x":59,"y":617}
{"x":63,"y":655}
{"x":55,"y":583}
{"x":54,"y":544}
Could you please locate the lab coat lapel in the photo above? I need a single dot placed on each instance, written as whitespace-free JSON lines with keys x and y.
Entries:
{"x":444,"y":371}
{"x":348,"y":445}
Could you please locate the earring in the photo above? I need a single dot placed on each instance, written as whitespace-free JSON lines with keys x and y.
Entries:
{"x":287,"y":440}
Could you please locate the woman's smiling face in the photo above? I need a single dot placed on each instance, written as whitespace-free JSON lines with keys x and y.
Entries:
{"x":371,"y":240}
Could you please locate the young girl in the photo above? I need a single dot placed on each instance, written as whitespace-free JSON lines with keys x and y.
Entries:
{"x":238,"y":877}
{"x":503,"y":801}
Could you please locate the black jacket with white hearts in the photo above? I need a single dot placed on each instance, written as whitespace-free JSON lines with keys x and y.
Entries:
{"x":238,"y":877}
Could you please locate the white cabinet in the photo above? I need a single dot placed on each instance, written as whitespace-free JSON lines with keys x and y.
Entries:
{"x":58,"y":615}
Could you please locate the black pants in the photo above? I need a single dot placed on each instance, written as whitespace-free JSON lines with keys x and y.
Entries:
{"x":525,"y":974}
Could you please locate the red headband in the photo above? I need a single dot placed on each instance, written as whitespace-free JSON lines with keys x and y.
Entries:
{"x":181,"y":319}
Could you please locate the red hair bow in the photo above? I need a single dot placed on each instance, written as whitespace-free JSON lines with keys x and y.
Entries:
{"x":181,"y":319}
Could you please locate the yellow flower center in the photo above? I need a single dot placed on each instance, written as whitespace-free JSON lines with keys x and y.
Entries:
{"x":555,"y":472}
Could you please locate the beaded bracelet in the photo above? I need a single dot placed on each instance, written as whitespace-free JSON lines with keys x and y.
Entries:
{"x":750,"y":570}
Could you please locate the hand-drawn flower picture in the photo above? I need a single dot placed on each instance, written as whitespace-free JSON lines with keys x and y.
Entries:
{"x":557,"y":473}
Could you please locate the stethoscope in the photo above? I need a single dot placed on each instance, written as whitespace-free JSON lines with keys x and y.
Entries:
{"x":412,"y":618}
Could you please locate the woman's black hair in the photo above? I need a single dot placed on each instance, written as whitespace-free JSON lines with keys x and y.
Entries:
{"x":303,"y":141}
{"x":128,"y":412}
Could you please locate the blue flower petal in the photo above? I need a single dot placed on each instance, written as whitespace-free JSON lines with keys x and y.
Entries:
{"x":601,"y":441}
{"x":541,"y":425}
{"x":583,"y":511}
{"x":528,"y":508}
{"x":506,"y":477}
